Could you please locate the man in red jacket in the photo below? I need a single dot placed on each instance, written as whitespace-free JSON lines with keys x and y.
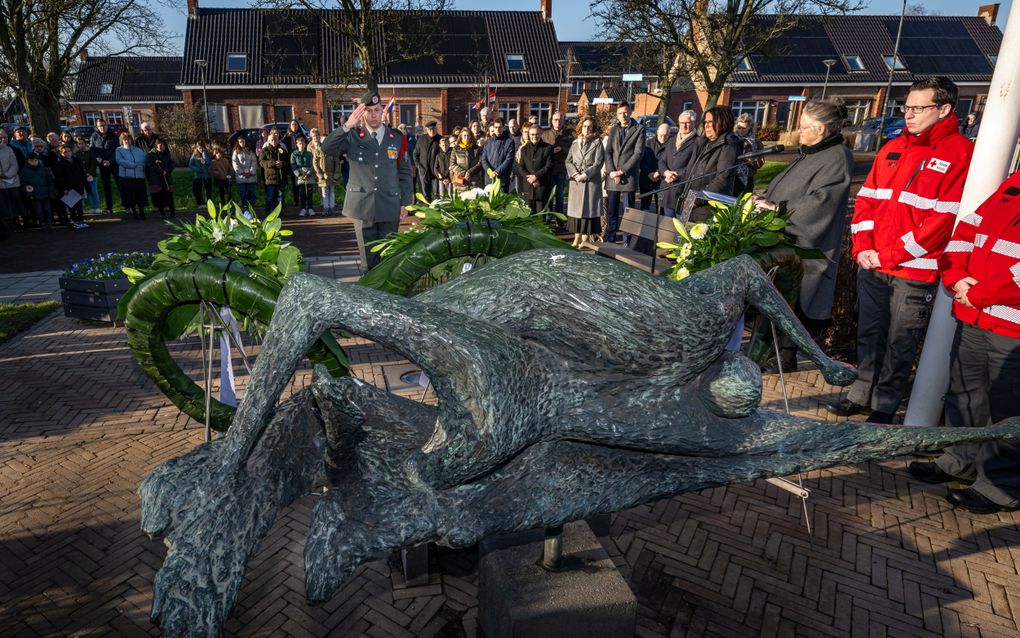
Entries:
{"x":902,"y":221}
{"x":981,"y":267}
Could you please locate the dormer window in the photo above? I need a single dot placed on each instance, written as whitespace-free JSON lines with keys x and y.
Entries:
{"x":743,"y":64}
{"x":515,"y":62}
{"x":105,"y":89}
{"x":358,"y":64}
{"x":889,"y":63}
{"x":237,"y":62}
{"x":854,"y":62}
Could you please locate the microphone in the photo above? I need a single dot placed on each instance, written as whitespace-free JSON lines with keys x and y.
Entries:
{"x":778,"y":148}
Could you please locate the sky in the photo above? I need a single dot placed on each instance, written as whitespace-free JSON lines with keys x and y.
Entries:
{"x":571,"y":17}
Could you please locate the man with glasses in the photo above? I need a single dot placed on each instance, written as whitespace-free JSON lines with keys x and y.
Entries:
{"x":902,"y":222}
{"x":103,"y":146}
{"x":678,"y":153}
{"x":559,"y":138}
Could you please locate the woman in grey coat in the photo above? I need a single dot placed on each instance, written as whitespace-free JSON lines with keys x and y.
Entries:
{"x":584,"y":170}
{"x":814,"y":188}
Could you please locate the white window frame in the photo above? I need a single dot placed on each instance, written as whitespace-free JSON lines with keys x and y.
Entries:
{"x":91,"y":117}
{"x":233,"y":57}
{"x":543,"y":111}
{"x":219,"y":118}
{"x":511,"y":58}
{"x":251,"y":116}
{"x":509,"y":111}
{"x":858,"y":110}
{"x":338,"y":114}
{"x":105,"y":88}
{"x":854,"y":62}
{"x":596,"y":87}
{"x":576,"y":87}
{"x":892,"y":109}
{"x":743,"y":63}
{"x":888,"y":59}
{"x":757,"y":109}
{"x":114,"y":117}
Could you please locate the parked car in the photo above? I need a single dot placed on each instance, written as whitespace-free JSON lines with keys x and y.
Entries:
{"x":651,"y":122}
{"x":9,"y":127}
{"x":867,"y":130}
{"x":83,"y":131}
{"x":251,"y":135}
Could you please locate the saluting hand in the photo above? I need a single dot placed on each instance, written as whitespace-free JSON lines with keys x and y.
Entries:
{"x":356,"y":116}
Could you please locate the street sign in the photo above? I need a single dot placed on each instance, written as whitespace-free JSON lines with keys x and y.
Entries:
{"x":633,"y":77}
{"x":603,"y":100}
{"x":797,"y":98}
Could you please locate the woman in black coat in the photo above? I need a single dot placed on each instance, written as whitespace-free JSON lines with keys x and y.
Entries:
{"x":69,"y":175}
{"x":814,"y":187}
{"x":159,"y":171}
{"x":534,"y":171}
{"x":717,"y":160}
{"x":678,"y":154}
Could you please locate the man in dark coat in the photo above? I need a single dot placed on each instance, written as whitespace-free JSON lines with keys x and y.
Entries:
{"x":102,"y":145}
{"x":424,"y":156}
{"x":559,"y":138}
{"x":498,"y":156}
{"x":534,"y":172}
{"x":380,"y":186}
{"x":677,"y":155}
{"x":147,"y":140}
{"x":624,"y":147}
{"x":650,"y":179}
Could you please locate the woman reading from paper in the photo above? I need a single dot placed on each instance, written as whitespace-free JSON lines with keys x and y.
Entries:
{"x":814,"y":188}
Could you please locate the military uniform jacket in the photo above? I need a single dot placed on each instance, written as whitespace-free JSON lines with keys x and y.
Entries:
{"x":380,"y":175}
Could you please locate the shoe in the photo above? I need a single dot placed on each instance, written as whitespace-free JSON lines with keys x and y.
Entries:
{"x":845,"y":407}
{"x":83,"y":224}
{"x":303,"y":213}
{"x":772,"y":366}
{"x":311,"y":212}
{"x":929,"y":472}
{"x":883,"y":418}
{"x":976,"y":503}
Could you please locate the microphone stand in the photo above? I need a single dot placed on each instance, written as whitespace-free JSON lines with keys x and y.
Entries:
{"x":696,"y":177}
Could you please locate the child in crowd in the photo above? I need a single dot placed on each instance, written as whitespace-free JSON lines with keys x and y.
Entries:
{"x":199,"y":165}
{"x":304,"y":176}
{"x":221,"y":171}
{"x":91,"y":170}
{"x":37,"y":182}
{"x":71,"y":181}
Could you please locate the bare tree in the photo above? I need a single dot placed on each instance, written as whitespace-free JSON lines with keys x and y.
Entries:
{"x":41,"y":42}
{"x":703,"y":39}
{"x":409,"y":27}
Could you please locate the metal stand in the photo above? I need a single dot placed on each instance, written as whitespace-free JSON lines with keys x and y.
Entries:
{"x":552,"y":549}
{"x":210,"y":322}
{"x":797,"y":489}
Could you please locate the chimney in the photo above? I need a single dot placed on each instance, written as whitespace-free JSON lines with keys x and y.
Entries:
{"x":192,"y":8}
{"x":546,"y":7}
{"x":989,"y":12}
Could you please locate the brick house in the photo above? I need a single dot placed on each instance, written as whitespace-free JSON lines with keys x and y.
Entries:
{"x":596,"y":69}
{"x":258,"y":66}
{"x":125,"y":90}
{"x":858,"y":50}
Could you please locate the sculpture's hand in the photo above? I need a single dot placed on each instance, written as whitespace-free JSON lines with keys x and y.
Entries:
{"x":839,"y":373}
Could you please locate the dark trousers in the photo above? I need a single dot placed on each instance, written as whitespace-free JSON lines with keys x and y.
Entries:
{"x":104,"y":175}
{"x":273,"y":197}
{"x":892,"y":315}
{"x":163,"y":201}
{"x":560,"y":182}
{"x":616,"y":203}
{"x":197,"y":186}
{"x":367,"y":233}
{"x":223,"y":189}
{"x":43,"y":211}
{"x":246,"y":193}
{"x":303,"y":194}
{"x":984,"y":388}
{"x":76,"y":212}
{"x":425,"y":182}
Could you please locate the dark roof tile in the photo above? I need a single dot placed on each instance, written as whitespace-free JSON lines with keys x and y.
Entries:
{"x":131,"y":79}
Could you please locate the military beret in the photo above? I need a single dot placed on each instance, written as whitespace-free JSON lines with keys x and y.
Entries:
{"x":430,"y":125}
{"x":370,"y":98}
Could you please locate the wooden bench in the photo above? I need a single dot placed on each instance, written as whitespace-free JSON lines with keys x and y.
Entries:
{"x":646,"y":225}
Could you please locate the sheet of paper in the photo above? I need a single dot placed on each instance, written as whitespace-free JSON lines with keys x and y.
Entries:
{"x":72,"y":198}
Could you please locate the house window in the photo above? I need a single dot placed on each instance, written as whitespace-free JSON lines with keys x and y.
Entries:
{"x":857,"y":110}
{"x":542,"y":111}
{"x":91,"y":117}
{"x":892,"y":108}
{"x":237,"y":62}
{"x":339,"y":114}
{"x":218,"y":118}
{"x":115,"y":117}
{"x":358,"y":64}
{"x":595,"y":86}
{"x":509,"y":111}
{"x":251,"y":116}
{"x":853,"y":62}
{"x":754,"y":108}
{"x":409,"y":115}
{"x":571,"y":108}
{"x":688,"y":106}
{"x":888,"y":59}
{"x":105,"y":89}
{"x":743,"y":64}
{"x":283,"y":113}
{"x":515,"y":62}
{"x":576,"y":87}
{"x":993,"y":58}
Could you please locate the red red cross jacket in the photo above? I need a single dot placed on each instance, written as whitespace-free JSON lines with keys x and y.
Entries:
{"x":986,"y":246}
{"x":908,"y":203}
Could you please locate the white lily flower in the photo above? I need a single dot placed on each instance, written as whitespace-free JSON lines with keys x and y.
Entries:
{"x":683,"y":273}
{"x":698,"y":231}
{"x":473,"y":193}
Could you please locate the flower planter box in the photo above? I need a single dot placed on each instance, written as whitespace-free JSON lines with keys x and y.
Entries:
{"x":93,"y":300}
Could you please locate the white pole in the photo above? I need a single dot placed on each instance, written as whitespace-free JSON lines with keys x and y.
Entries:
{"x":996,"y":143}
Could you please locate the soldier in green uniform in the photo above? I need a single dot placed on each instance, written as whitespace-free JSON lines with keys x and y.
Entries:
{"x":380,"y":187}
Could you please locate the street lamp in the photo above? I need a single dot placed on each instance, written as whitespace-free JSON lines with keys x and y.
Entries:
{"x":828,"y":67}
{"x":205,"y":101}
{"x":563,"y":69}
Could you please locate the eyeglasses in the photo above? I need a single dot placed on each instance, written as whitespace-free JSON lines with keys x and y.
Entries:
{"x":917,"y":110}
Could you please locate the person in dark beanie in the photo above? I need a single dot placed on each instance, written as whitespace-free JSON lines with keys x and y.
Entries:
{"x":70,"y":180}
